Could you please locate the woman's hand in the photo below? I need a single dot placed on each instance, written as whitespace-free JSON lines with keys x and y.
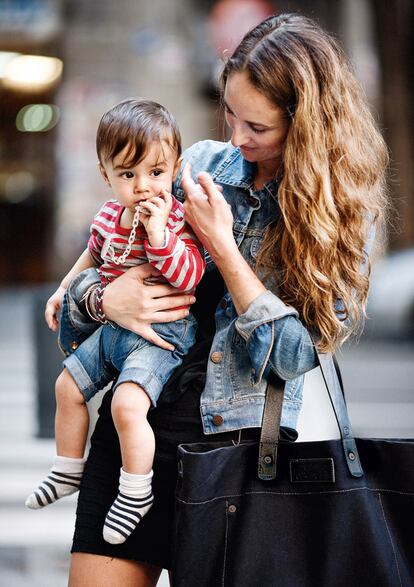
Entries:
{"x":208,"y":213}
{"x":134,"y":305}
{"x":211,"y":219}
{"x":53,"y":306}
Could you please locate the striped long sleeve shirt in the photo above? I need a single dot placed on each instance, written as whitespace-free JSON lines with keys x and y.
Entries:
{"x":180,"y":260}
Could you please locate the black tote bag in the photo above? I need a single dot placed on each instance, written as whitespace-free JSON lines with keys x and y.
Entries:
{"x":337,"y":513}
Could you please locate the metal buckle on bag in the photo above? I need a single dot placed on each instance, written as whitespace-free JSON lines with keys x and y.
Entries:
{"x":267,"y":461}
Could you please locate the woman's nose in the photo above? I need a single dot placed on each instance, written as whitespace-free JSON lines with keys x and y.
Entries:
{"x":238,"y":136}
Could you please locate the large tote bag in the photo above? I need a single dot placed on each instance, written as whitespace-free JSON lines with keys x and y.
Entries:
{"x":337,"y":513}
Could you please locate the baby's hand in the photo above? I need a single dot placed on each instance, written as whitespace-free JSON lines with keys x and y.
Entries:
{"x":154,"y":217}
{"x":53,"y":306}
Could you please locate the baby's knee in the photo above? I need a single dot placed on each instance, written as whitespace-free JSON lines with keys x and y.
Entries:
{"x":66,"y":390}
{"x":130,"y":402}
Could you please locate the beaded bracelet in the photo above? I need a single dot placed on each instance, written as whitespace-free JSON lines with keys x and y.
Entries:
{"x":98,"y":299}
{"x":93,"y":304}
{"x":89,"y":301}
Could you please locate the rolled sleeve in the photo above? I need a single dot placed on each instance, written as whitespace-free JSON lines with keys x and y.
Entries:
{"x":275,"y":338}
{"x":265,"y":308}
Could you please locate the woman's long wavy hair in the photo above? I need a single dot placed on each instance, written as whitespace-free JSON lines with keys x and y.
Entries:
{"x":332,"y":189}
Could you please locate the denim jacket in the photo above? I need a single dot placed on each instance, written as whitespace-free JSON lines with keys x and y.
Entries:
{"x":269,"y":335}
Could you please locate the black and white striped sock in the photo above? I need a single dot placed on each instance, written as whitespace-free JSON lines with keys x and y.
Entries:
{"x":63,"y":479}
{"x":132,"y":503}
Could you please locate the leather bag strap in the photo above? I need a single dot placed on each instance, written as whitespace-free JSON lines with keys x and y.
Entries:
{"x":269,"y":438}
{"x":332,"y":384}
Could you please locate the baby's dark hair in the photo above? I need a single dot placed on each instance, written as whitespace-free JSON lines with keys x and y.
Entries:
{"x":135,"y":124}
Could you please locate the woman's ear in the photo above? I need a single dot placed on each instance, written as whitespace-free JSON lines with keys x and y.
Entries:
{"x":177,"y":167}
{"x":104,"y":174}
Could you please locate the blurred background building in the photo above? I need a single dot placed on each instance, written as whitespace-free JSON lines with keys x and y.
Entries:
{"x":62,"y":64}
{"x":89,"y":55}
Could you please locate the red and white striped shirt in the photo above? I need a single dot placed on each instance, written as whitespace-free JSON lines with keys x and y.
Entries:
{"x":180,"y":260}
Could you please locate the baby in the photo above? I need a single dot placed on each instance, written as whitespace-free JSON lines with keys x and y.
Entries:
{"x":139,"y":148}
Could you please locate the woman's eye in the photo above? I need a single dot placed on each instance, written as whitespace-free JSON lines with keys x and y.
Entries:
{"x":258,"y":130}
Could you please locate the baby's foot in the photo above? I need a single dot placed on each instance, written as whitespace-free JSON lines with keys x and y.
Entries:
{"x":133,"y":501}
{"x":63,"y":479}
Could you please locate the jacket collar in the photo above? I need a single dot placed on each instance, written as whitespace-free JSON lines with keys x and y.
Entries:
{"x":236,"y":171}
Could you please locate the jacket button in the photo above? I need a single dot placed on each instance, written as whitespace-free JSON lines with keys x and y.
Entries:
{"x":223,"y":303}
{"x":216,"y":357}
{"x":218,"y":420}
{"x":74,"y":345}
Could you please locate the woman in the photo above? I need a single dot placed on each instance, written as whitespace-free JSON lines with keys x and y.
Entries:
{"x":302,"y":186}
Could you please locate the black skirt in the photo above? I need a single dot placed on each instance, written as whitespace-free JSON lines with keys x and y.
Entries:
{"x":173,"y":424}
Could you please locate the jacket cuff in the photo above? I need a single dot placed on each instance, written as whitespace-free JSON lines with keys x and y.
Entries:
{"x":265,"y":308}
{"x":257,"y":328}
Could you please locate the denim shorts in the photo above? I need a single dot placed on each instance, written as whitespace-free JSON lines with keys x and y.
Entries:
{"x":113,"y":353}
{"x":75,"y":325}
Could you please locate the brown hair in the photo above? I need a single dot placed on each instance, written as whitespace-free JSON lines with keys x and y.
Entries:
{"x":332,"y":186}
{"x":135,"y":124}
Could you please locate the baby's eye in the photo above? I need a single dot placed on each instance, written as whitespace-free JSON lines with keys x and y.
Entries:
{"x":156,"y":172}
{"x":127,"y":174}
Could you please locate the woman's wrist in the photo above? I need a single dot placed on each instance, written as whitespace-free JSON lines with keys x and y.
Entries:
{"x":223,"y":252}
{"x":88,"y":300}
{"x":93,"y":304}
{"x":242,"y":283}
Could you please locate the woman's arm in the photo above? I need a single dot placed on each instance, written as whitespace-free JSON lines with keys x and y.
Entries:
{"x":273,"y":333}
{"x":210,"y":217}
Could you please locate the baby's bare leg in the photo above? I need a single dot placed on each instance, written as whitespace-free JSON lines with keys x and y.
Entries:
{"x":71,"y":429}
{"x":130,"y":407}
{"x":72,"y":418}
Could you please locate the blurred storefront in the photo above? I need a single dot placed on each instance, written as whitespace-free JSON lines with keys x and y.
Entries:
{"x":49,"y":184}
{"x":30,"y":74}
{"x":170,"y":51}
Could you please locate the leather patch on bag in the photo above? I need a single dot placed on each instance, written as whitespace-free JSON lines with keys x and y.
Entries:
{"x":312,"y":470}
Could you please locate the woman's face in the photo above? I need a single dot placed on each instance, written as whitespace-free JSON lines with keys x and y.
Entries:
{"x":258,"y":127}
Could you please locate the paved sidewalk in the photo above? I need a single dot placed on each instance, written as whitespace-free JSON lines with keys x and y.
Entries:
{"x":34,"y":545}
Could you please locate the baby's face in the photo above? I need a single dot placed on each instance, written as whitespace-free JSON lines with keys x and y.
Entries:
{"x":146,"y":179}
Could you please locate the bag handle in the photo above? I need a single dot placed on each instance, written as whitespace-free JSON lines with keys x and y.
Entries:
{"x":269,"y":437}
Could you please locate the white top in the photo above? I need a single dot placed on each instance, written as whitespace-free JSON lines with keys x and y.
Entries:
{"x":316,"y":419}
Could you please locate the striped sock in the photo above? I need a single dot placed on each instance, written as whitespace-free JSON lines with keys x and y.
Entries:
{"x":64,"y":479}
{"x":132,"y":503}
